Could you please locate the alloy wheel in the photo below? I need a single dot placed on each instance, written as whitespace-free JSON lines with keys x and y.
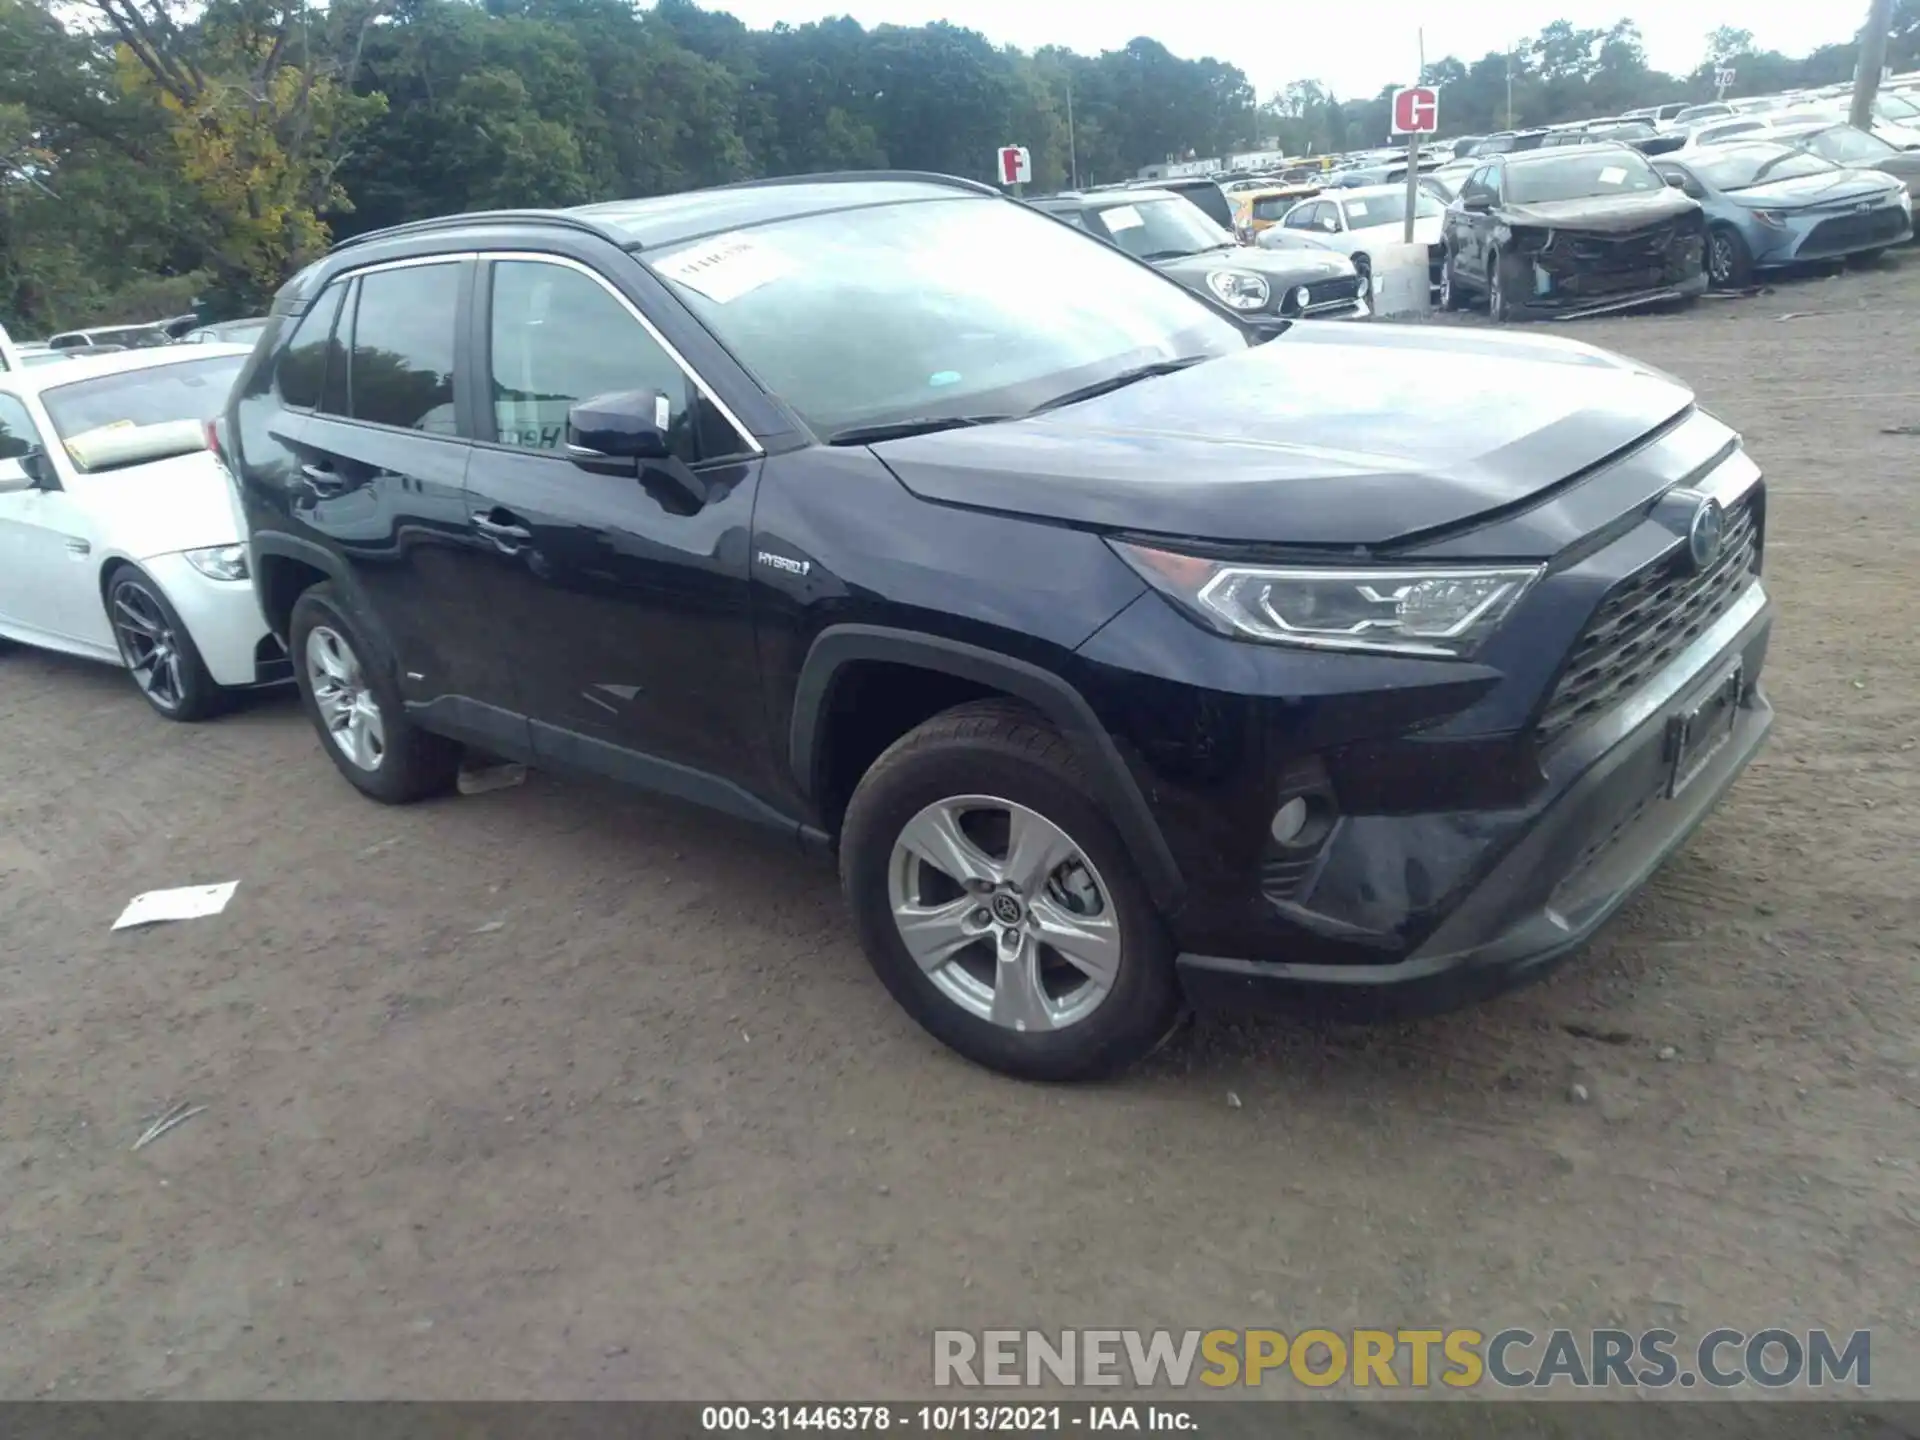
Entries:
{"x":1004,"y":913}
{"x":347,"y":706}
{"x":148,"y":644}
{"x":1719,"y":258}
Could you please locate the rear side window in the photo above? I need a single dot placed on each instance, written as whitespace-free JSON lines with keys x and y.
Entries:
{"x":302,"y":372}
{"x":400,"y":364}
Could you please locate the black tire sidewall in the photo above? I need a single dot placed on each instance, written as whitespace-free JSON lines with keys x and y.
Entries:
{"x":202,"y":696}
{"x":416,"y":764}
{"x":1740,"y":262}
{"x":1144,"y":1004}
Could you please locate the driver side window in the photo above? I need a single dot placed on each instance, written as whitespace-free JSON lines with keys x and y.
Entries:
{"x":18,"y":434}
{"x":1301,"y":217}
{"x":558,"y":337}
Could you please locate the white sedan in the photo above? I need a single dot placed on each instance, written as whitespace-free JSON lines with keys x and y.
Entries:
{"x":1357,"y":221}
{"x":118,"y":536}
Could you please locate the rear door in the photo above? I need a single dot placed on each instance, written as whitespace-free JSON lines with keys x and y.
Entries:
{"x":623,"y":600}
{"x":383,"y":462}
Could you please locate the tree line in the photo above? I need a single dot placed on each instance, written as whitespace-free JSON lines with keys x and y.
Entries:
{"x":158,"y":152}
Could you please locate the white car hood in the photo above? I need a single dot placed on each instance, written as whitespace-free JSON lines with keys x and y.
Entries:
{"x":164,"y":506}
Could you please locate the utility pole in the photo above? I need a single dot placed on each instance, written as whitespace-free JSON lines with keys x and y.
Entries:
{"x":1073,"y":151}
{"x":1873,"y":59}
{"x":1509,"y":85}
{"x":1413,"y":149}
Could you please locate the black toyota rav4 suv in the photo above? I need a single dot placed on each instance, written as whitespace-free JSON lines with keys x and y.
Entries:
{"x":1126,"y":657}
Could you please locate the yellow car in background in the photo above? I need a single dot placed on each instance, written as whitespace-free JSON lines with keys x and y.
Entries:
{"x":1257,"y":210}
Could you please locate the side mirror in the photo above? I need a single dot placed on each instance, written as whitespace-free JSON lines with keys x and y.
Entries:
{"x":1475,"y":204}
{"x":29,"y":471}
{"x":1329,"y":224}
{"x":624,"y":428}
{"x":1678,"y":182}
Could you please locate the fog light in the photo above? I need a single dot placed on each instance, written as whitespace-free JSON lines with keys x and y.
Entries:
{"x":1303,"y":295}
{"x":1289,"y":820}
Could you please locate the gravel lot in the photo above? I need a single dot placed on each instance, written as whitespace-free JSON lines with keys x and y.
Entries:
{"x":562,"y":1092}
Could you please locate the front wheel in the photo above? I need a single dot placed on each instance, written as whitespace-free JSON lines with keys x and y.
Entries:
{"x":1450,"y":296}
{"x":352,"y":702}
{"x":1499,"y":300}
{"x":1729,"y":261}
{"x":157,"y":650}
{"x":998,"y":905}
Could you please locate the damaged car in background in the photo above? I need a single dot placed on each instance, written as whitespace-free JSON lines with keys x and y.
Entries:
{"x":1571,"y":232}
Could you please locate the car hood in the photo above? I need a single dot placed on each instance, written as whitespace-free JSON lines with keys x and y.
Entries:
{"x":1831,"y":187}
{"x":1283,"y":267}
{"x":1357,"y":438}
{"x":1603,"y":214}
{"x":164,"y":506}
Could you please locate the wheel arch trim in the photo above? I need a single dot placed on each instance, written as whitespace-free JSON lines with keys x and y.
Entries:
{"x":1114,"y":785}
{"x":339,"y":574}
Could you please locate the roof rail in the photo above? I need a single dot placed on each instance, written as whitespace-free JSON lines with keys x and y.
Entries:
{"x":472,"y":217}
{"x":840,"y":177}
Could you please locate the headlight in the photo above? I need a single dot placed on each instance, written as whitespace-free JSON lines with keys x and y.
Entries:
{"x":1440,"y":611}
{"x":1241,"y":289}
{"x":1771,"y":218}
{"x":220,"y":562}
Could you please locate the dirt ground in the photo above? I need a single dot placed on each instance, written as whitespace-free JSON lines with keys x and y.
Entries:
{"x":559,"y":1092}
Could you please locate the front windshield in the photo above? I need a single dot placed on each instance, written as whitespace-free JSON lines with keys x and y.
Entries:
{"x":968,"y":306}
{"x":1580,"y":176}
{"x":1388,"y":208}
{"x":191,"y":390}
{"x":1751,"y":165}
{"x":1845,"y":145}
{"x":1162,"y":229}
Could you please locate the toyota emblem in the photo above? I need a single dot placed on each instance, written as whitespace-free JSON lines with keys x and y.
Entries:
{"x":1705,"y":532}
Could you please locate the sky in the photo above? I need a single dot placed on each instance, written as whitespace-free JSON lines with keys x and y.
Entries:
{"x":1354,"y":49}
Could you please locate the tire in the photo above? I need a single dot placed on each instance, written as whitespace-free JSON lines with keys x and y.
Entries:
{"x":1868,"y":257}
{"x":1729,"y":261}
{"x":1450,"y":296}
{"x":1499,"y":302}
{"x":158,"y":650}
{"x":358,"y":710}
{"x":988,"y":761}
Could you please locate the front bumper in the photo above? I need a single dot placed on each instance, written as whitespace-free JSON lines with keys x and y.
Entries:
{"x":1580,"y":307}
{"x":1557,"y":882}
{"x":223,"y":617}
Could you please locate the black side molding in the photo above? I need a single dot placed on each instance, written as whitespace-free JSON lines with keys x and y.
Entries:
{"x":1116,"y":789}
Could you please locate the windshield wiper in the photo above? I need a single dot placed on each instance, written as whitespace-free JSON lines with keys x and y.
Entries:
{"x":1152,"y":255}
{"x":1120,"y":381}
{"x":901,"y":429}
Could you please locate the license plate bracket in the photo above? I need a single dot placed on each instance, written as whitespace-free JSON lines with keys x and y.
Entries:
{"x":1696,"y":735}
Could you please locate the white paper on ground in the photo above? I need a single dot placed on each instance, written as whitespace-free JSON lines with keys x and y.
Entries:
{"x":187,"y":903}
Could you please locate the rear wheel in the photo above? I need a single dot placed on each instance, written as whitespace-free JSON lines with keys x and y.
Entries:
{"x":157,"y":650}
{"x":1729,"y":262}
{"x":352,"y":701}
{"x":998,"y":905}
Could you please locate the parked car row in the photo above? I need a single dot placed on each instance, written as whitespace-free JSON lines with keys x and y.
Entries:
{"x":1129,"y":653}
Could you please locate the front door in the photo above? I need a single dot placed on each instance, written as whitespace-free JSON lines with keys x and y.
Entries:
{"x":49,"y":575}
{"x":623,"y":600}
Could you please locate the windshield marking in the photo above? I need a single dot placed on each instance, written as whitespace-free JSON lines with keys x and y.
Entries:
{"x":725,"y":268}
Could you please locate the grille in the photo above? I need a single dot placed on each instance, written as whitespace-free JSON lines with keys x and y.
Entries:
{"x":1887,"y":222}
{"x":1627,"y":252}
{"x":1646,"y":620}
{"x":1329,"y":293}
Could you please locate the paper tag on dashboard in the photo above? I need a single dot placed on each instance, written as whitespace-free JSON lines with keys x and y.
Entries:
{"x":1612,"y":175}
{"x":725,"y":268}
{"x":1121,"y":217}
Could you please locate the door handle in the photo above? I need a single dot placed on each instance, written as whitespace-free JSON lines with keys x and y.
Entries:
{"x":503,"y":533}
{"x":324,"y":478}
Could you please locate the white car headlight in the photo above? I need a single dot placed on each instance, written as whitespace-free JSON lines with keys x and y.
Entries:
{"x":1240,"y":289}
{"x":1439,"y":611}
{"x":220,"y":562}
